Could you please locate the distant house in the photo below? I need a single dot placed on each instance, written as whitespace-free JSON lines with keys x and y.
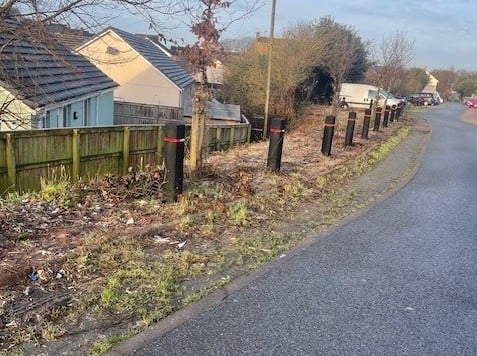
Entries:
{"x":145,"y":73}
{"x":431,"y":87}
{"x":45,"y":85}
{"x":215,"y":73}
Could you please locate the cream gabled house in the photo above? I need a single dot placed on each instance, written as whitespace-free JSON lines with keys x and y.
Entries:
{"x":145,"y":74}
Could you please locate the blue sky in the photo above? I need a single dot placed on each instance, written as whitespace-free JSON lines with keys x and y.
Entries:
{"x":444,"y":31}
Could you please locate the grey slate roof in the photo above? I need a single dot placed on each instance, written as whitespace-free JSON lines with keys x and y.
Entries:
{"x":153,"y":54}
{"x":46,"y":72}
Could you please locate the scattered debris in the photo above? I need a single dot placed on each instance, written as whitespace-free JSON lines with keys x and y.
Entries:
{"x":161,"y":240}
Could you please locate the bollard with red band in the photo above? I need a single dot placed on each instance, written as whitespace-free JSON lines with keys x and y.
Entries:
{"x":350,"y":128}
{"x":328,"y":135}
{"x":277,"y":133}
{"x":387,"y":111}
{"x":393,"y":113}
{"x":366,"y":121}
{"x":377,"y":119}
{"x":174,"y":139}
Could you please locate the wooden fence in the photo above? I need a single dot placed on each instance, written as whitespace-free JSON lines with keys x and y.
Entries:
{"x":27,"y":157}
{"x":142,"y":114}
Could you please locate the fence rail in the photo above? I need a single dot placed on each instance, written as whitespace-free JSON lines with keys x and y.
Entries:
{"x":27,"y":157}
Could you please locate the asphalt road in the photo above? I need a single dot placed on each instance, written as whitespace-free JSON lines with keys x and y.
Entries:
{"x":401,"y":279}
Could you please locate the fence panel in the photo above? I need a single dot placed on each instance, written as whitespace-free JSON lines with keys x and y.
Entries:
{"x":27,"y":157}
{"x":142,"y":114}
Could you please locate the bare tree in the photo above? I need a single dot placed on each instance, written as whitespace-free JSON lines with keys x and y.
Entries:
{"x":344,"y":56}
{"x":208,"y":20}
{"x":396,"y":52}
{"x":89,"y":14}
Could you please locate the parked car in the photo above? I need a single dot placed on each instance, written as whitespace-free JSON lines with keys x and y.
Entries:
{"x":472,"y":103}
{"x":423,"y":99}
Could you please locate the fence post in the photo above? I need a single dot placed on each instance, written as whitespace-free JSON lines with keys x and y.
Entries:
{"x":126,"y":134}
{"x":328,"y":135}
{"x":174,"y":139}
{"x":160,"y":145}
{"x":218,"y":137}
{"x":350,"y":128}
{"x":275,"y":148}
{"x":377,"y":118}
{"x":11,"y":163}
{"x":366,"y":121}
{"x":75,"y":153}
{"x":232,"y":136}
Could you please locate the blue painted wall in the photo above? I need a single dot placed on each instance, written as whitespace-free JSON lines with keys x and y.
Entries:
{"x":95,"y":111}
{"x":105,"y":109}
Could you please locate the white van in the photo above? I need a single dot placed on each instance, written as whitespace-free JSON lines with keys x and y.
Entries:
{"x":360,"y":96}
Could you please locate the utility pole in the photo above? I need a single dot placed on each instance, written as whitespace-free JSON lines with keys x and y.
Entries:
{"x":269,"y":72}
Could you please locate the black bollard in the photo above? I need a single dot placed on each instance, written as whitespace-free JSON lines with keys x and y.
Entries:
{"x":386,"y":116}
{"x":398,"y":112}
{"x":393,"y":113}
{"x":350,"y":128}
{"x":366,"y":121}
{"x":174,"y":137}
{"x":377,"y":119}
{"x":328,"y":135}
{"x":275,"y":148}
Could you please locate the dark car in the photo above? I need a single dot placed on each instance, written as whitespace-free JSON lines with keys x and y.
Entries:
{"x":423,"y":99}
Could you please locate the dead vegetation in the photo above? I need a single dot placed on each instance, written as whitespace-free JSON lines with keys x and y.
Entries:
{"x":90,"y":264}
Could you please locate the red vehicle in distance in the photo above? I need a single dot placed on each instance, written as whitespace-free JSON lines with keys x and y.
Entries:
{"x":472,"y":103}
